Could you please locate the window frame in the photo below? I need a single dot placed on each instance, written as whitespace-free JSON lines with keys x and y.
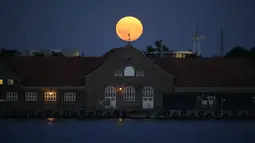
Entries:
{"x":47,"y":96}
{"x":10,"y":98}
{"x":33,"y":96}
{"x":69,"y":95}
{"x":129,"y":94}
{"x":10,"y":81}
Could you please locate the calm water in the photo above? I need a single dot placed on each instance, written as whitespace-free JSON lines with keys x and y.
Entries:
{"x":130,"y":131}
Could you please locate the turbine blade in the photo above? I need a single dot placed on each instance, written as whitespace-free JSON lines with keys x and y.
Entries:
{"x":196,"y":30}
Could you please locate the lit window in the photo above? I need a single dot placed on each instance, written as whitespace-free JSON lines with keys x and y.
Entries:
{"x":129,"y":71}
{"x":1,"y":81}
{"x":50,"y":96}
{"x":69,"y":96}
{"x":129,"y":94}
{"x":31,"y":96}
{"x":10,"y":81}
{"x":11,"y":96}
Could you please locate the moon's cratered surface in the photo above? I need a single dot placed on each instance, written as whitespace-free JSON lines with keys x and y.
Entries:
{"x":129,"y":28}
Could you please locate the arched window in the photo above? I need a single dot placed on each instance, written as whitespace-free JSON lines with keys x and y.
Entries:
{"x":129,"y":71}
{"x":129,"y":94}
{"x":148,"y":92}
{"x":110,"y":97}
{"x":110,"y":92}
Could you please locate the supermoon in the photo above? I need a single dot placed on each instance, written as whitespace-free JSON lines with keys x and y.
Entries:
{"x":129,"y":28}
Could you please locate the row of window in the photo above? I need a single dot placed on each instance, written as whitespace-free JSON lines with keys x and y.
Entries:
{"x":129,"y":71}
{"x":9,"y":82}
{"x":137,"y":73}
{"x":129,"y":93}
{"x":48,"y":96}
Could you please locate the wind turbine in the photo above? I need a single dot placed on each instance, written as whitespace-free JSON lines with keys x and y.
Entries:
{"x":196,"y":41}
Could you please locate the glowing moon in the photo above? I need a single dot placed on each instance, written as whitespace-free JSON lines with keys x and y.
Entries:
{"x":129,"y":28}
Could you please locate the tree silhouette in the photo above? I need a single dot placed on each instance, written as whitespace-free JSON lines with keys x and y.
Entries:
{"x":150,"y":49}
{"x":252,"y":54}
{"x":158,"y":46}
{"x":238,"y":52}
{"x":5,"y":52}
{"x":37,"y":54}
{"x":56,"y":53}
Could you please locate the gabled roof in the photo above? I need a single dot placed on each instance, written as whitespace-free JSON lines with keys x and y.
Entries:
{"x":198,"y":72}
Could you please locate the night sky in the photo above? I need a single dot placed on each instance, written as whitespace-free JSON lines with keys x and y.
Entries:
{"x":89,"y":25}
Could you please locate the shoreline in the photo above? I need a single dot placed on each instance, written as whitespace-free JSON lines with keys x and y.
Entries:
{"x":135,"y":114}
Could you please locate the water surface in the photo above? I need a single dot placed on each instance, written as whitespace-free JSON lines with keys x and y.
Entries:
{"x":129,"y":131}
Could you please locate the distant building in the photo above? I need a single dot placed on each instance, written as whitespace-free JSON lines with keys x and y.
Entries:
{"x":173,"y":54}
{"x":126,"y":79}
{"x":182,"y":54}
{"x":48,"y":52}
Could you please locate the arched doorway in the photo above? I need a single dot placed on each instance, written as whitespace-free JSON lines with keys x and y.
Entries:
{"x":148,"y":98}
{"x":110,"y":95}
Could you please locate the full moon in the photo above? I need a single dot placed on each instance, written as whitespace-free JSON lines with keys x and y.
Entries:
{"x":129,"y":28}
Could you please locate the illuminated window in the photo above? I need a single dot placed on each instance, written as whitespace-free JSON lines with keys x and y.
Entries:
{"x":10,"y":81}
{"x":11,"y":96}
{"x":31,"y":96}
{"x":129,"y":94}
{"x":1,"y":81}
{"x":129,"y":71}
{"x":50,"y":96}
{"x":69,"y":96}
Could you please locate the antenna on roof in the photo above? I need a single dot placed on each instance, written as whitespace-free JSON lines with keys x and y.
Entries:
{"x":129,"y":39}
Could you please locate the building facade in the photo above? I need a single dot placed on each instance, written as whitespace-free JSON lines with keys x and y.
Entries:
{"x":125,"y":79}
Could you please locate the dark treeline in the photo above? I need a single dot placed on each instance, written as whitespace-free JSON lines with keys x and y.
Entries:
{"x":235,"y":52}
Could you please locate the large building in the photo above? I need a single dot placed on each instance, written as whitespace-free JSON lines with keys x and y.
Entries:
{"x":124,"y":78}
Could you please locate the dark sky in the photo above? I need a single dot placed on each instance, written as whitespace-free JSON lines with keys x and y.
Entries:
{"x":89,"y":25}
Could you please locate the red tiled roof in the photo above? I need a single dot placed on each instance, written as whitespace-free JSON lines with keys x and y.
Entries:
{"x":210,"y":72}
{"x":200,"y":72}
{"x":52,"y":71}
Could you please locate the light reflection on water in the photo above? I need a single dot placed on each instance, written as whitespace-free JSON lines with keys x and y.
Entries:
{"x":128,"y":131}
